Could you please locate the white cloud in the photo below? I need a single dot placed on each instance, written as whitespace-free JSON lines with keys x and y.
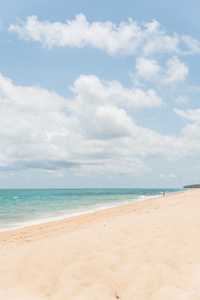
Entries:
{"x":190,"y":114}
{"x":37,"y":133}
{"x":31,"y":121}
{"x":192,"y":132}
{"x":92,"y":90}
{"x":113,"y":166}
{"x":157,"y":41}
{"x":101,"y":107}
{"x":127,"y":38}
{"x":176,"y":71}
{"x":29,"y":98}
{"x":93,"y":133}
{"x":79,"y":33}
{"x":147,"y":68}
{"x":192,"y":45}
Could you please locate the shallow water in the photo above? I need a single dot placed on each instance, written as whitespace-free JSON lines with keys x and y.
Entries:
{"x":23,"y":207}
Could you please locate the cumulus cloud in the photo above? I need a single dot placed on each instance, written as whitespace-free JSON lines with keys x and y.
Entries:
{"x":127,"y":38}
{"x":94,"y":132}
{"x":79,"y":33}
{"x":31,"y":122}
{"x":101,"y":106}
{"x":176,"y":71}
{"x":91,"y":89}
{"x":147,"y":68}
{"x":191,"y":131}
{"x":42,"y":130}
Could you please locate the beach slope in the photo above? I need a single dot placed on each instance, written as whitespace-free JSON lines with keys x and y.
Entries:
{"x":147,"y":250}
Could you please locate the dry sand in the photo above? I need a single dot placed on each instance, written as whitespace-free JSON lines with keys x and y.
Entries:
{"x":148,"y":250}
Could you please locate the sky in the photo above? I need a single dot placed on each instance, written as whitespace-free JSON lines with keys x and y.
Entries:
{"x":99,"y":94}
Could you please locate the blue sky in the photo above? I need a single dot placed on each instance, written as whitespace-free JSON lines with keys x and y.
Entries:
{"x":99,"y":93}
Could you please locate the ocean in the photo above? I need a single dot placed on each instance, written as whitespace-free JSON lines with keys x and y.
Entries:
{"x":24,"y":207}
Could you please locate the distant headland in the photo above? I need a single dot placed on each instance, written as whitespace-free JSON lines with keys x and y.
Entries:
{"x":192,"y":186}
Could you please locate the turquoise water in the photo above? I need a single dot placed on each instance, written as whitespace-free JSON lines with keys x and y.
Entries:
{"x":23,"y":207}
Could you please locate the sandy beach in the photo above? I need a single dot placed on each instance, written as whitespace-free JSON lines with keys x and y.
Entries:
{"x":147,"y":250}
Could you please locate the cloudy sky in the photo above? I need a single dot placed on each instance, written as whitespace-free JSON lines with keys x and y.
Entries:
{"x":99,"y":93}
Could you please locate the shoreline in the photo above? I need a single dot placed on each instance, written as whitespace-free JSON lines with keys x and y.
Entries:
{"x":148,"y":250}
{"x":88,"y":210}
{"x":64,"y":219}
